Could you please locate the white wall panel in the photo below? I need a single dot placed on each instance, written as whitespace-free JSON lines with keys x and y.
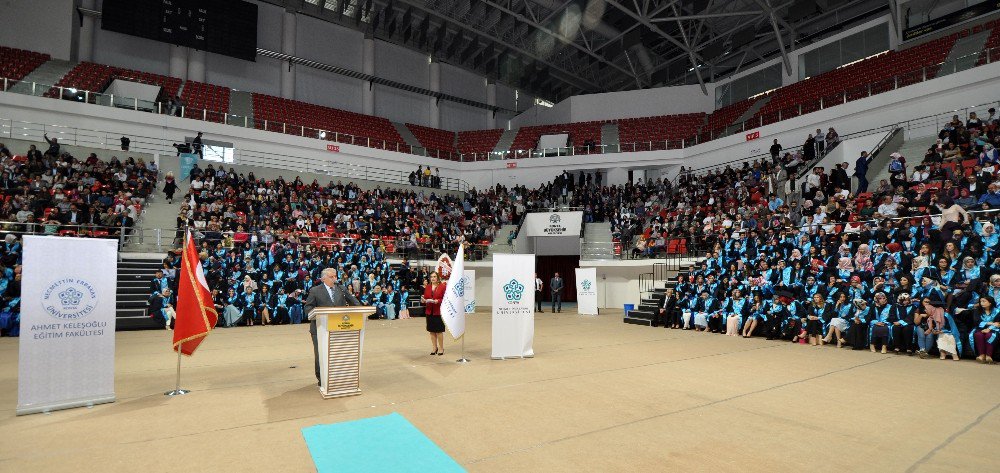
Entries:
{"x":459,"y":117}
{"x":641,"y":103}
{"x":263,"y":76}
{"x":462,"y":83}
{"x":401,"y":65}
{"x":325,"y":42}
{"x":506,"y":98}
{"x":329,"y":89}
{"x":402,"y":106}
{"x":269,"y":20}
{"x":131,"y":52}
{"x":44,"y":26}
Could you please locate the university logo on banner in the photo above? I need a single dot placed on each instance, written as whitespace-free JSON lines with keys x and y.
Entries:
{"x":69,"y":299}
{"x":513,"y":306}
{"x":586,"y":291}
{"x":66,"y":354}
{"x":514,"y":290}
{"x":469,"y":288}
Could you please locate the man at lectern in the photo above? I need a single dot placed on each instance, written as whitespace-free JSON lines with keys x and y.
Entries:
{"x":328,"y":294}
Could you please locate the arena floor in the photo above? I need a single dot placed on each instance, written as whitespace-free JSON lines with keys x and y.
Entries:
{"x":599,"y":396}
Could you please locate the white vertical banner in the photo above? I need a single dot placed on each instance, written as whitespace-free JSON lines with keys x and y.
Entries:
{"x":513,"y":306}
{"x":453,"y":305}
{"x":469,"y":281}
{"x":67,"y":345}
{"x":586,"y":291}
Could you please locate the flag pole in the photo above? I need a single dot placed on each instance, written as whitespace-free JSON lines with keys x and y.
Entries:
{"x":463,"y":359}
{"x":177,"y":387}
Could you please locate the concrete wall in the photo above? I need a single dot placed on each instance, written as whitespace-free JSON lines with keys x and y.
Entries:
{"x":44,"y":26}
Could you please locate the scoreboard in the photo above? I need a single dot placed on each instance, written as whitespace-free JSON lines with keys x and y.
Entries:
{"x":226,"y":27}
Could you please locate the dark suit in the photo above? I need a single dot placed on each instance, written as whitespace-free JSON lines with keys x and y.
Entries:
{"x":556,"y":286}
{"x":319,"y":296}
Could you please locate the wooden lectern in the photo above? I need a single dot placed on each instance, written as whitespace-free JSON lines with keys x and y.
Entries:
{"x":340,"y":335}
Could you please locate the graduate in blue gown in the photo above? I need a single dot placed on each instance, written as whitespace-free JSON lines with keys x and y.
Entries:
{"x":879,"y":333}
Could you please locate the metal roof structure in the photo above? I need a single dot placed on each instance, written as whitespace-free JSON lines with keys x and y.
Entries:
{"x":554,"y":49}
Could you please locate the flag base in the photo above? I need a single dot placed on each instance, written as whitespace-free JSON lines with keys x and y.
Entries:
{"x":462,"y":360}
{"x":177,"y":392}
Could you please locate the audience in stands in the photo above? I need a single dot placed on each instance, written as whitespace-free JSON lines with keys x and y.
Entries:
{"x":59,"y":194}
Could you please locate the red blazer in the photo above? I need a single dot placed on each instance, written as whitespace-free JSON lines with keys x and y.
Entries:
{"x":434,"y":308}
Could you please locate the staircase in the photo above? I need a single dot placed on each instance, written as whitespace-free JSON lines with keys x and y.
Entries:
{"x":154,"y":232}
{"x":506,"y":139}
{"x":597,"y":243}
{"x":651,"y":301}
{"x":738,"y":123}
{"x":240,"y":105}
{"x":649,"y":305}
{"x":134,"y":274}
{"x":46,"y":76}
{"x":499,"y":245}
{"x":913,"y":150}
{"x":407,"y":135}
{"x":964,"y":54}
{"x":610,"y":138}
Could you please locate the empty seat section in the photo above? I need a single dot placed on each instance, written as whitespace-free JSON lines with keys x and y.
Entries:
{"x":991,"y":50}
{"x":579,"y":134}
{"x":479,"y":142}
{"x":722,"y":118}
{"x":434,"y":139}
{"x":15,"y":64}
{"x":658,"y":133}
{"x":305,"y":119}
{"x":205,"y":101}
{"x":91,"y":77}
{"x":870,"y":76}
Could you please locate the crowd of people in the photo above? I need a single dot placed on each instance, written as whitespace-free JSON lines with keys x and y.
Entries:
{"x":54,"y":193}
{"x":265,"y":284}
{"x":918,"y":273}
{"x":227,"y":207}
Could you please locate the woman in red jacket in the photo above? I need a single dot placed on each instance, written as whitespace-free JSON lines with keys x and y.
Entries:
{"x":433,"y":293}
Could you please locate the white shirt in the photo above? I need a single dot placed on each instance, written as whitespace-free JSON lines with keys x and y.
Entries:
{"x":538,"y":284}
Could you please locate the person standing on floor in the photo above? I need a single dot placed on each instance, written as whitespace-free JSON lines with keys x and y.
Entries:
{"x":538,"y":294}
{"x":556,"y":286}
{"x":433,"y":295}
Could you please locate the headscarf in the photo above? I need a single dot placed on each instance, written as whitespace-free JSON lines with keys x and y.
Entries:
{"x":845,"y":263}
{"x":936,"y":314}
{"x":863,"y":261}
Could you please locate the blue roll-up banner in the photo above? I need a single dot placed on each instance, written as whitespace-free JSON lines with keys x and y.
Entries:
{"x":188,"y":161}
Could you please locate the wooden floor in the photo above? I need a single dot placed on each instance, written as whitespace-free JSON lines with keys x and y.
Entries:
{"x":599,"y":396}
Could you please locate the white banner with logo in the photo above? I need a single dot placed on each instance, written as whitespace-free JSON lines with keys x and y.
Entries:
{"x":586,"y":291}
{"x":469,"y":281}
{"x":541,"y":224}
{"x":67,"y":345}
{"x":513,"y":306}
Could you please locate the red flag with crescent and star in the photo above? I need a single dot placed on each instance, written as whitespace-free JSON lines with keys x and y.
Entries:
{"x":196,"y":314}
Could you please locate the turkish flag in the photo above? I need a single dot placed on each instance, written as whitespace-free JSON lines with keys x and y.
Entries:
{"x":196,"y":314}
